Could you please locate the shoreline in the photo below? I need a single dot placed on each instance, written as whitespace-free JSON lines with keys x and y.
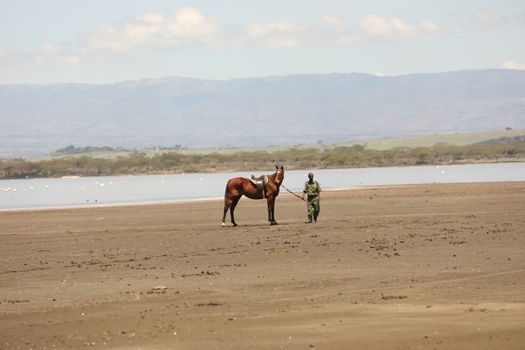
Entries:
{"x":211,"y":199}
{"x":112,"y":205}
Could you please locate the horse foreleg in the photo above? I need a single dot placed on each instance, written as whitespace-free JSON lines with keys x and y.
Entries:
{"x":273,"y":215}
{"x":271,"y":211}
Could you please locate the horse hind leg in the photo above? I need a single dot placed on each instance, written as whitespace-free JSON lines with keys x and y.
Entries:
{"x":232,"y":209}
{"x":226,"y":207}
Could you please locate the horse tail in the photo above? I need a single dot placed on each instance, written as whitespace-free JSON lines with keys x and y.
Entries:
{"x":226,"y":189}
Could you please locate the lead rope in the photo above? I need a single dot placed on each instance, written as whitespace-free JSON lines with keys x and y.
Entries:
{"x":301,"y":198}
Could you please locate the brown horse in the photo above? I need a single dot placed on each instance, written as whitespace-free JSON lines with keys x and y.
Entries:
{"x":239,"y":186}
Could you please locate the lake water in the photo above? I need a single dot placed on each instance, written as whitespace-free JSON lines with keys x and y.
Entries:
{"x":115,"y":190}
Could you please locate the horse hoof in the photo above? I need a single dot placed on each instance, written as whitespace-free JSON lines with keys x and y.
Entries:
{"x":234,"y":224}
{"x":274,"y":223}
{"x":223,"y":224}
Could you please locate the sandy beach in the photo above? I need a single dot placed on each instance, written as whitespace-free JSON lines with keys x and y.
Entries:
{"x":402,"y":267}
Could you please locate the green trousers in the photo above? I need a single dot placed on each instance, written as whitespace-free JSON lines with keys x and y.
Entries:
{"x":313,"y":207}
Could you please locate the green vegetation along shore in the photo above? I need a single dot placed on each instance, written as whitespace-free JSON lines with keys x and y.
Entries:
{"x":504,"y":150}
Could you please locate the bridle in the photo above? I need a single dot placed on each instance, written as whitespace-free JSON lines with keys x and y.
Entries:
{"x":277,"y":177}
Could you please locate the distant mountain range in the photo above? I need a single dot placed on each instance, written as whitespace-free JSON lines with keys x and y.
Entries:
{"x":285,"y":110}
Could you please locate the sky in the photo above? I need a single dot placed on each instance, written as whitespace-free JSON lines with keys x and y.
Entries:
{"x":107,"y":41}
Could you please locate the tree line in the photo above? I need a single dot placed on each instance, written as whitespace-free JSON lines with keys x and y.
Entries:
{"x":356,"y":156}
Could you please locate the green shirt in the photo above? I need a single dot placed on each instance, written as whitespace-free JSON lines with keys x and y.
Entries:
{"x":312,"y":189}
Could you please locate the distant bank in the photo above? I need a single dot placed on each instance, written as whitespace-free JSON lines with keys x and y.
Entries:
{"x":496,"y":150}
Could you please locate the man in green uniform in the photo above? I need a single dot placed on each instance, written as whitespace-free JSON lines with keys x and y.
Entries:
{"x":312,"y":189}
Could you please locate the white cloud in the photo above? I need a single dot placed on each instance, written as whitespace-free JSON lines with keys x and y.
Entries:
{"x":47,"y":48}
{"x":190,"y":28}
{"x":428,"y":27}
{"x":289,"y":34}
{"x":3,"y":53}
{"x":152,"y":18}
{"x":279,"y":33}
{"x":187,"y":27}
{"x":487,"y":18}
{"x":510,"y":64}
{"x":335,"y":23}
{"x":333,"y":30}
{"x":50,"y":54}
{"x":374,"y":27}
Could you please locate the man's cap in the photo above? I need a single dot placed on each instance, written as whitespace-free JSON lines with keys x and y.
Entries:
{"x":310,"y":175}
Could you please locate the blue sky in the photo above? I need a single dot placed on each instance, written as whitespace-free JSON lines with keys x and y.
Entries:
{"x":104,"y":41}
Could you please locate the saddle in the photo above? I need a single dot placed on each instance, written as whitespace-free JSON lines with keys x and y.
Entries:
{"x":261,"y":183}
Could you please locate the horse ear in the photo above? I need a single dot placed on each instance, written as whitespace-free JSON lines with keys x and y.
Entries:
{"x":276,"y":167}
{"x":282,"y":167}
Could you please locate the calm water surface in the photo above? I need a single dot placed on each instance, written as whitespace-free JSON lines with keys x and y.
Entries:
{"x":114,"y":190}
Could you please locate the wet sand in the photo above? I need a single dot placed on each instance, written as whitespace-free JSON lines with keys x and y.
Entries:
{"x":404,"y":267}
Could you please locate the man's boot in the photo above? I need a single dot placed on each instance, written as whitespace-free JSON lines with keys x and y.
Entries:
{"x":309,"y":219}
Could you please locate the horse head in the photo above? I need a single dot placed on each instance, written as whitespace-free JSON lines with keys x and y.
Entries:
{"x":279,"y":175}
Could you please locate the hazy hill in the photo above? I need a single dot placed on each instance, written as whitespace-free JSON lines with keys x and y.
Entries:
{"x":37,"y":119}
